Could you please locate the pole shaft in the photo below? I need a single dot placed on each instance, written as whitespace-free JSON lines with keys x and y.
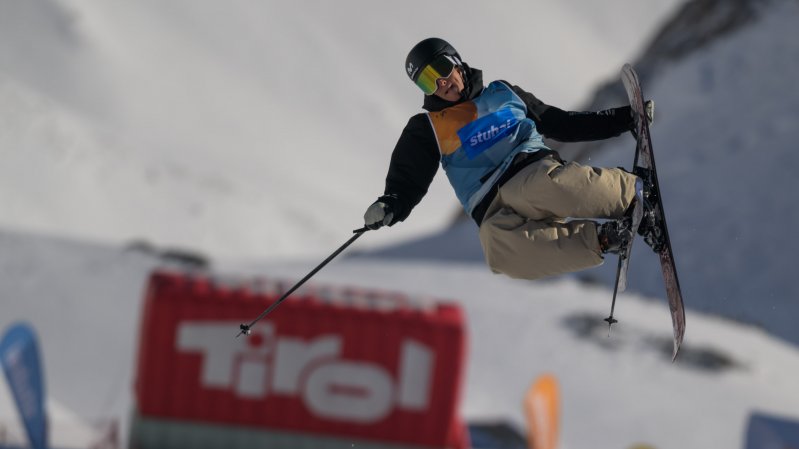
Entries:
{"x":274,"y":305}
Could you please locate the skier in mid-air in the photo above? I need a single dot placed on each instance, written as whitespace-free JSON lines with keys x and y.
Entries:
{"x":536,"y":213}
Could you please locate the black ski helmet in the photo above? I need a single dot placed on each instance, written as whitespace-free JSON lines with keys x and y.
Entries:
{"x":424,"y":53}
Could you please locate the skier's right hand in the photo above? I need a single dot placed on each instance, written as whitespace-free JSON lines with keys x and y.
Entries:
{"x":380,"y":213}
{"x":649,"y":110}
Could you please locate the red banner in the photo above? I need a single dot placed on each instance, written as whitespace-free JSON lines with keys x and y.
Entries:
{"x":353,"y":364}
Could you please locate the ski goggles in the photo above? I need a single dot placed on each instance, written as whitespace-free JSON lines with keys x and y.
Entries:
{"x":441,"y":67}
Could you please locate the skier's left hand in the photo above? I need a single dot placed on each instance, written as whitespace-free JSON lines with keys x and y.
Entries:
{"x":379,"y":214}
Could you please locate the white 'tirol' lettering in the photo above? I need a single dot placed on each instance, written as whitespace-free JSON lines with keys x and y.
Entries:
{"x":331,"y":387}
{"x":351,"y":391}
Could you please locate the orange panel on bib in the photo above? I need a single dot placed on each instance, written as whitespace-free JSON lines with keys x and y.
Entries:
{"x":446,"y":124}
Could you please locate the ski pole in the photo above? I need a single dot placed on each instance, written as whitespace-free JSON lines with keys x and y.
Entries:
{"x":245,"y":328}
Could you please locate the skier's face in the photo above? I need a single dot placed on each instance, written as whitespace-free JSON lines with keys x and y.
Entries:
{"x":450,"y":88}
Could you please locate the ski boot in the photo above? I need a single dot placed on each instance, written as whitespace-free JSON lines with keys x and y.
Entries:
{"x":650,"y":229}
{"x":615,"y":235}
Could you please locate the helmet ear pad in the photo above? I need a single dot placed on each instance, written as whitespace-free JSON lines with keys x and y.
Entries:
{"x":462,"y":69}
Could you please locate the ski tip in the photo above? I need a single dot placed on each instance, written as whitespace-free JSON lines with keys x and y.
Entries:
{"x":676,"y":352}
{"x":677,"y":345}
{"x":679,"y":334}
{"x":627,"y":68}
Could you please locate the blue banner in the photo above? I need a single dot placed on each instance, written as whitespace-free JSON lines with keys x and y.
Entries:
{"x":19,"y":355}
{"x":771,"y":432}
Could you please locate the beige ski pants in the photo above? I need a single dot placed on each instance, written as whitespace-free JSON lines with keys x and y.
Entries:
{"x":525,"y":232}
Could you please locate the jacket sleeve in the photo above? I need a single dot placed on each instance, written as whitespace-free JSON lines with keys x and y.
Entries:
{"x":568,"y":126}
{"x":414,"y":164}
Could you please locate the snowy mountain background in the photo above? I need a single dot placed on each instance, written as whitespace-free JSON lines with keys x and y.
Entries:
{"x":254,"y":129}
{"x":255,"y":134}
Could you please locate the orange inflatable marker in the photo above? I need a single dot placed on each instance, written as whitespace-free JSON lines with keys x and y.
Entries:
{"x":542,"y":410}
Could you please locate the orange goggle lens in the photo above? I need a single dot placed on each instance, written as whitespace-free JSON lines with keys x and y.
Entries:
{"x":441,"y":67}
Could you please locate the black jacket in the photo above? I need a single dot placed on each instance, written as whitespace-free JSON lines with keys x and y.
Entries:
{"x":416,"y":157}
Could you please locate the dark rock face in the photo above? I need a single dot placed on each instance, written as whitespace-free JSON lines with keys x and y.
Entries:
{"x":698,"y":24}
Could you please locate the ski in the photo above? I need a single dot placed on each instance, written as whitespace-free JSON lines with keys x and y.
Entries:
{"x":653,"y":222}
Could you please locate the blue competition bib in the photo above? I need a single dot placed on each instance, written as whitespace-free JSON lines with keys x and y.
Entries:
{"x":484,"y":132}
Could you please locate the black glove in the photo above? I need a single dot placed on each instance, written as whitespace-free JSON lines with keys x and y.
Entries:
{"x":649,"y":112}
{"x":381,"y":212}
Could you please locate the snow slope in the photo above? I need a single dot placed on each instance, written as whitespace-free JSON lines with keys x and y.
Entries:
{"x":84,"y":300}
{"x":64,"y":426}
